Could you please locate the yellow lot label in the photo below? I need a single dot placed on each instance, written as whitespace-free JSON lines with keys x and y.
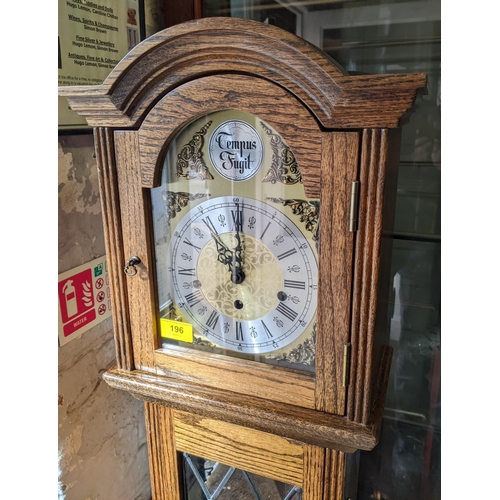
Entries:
{"x":176,"y":330}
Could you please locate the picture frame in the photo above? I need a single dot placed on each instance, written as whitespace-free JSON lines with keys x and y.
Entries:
{"x":92,"y":38}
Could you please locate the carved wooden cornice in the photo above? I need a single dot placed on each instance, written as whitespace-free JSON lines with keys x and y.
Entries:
{"x":210,"y":46}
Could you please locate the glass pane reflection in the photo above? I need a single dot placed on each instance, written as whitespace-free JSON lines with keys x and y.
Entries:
{"x":208,"y":480}
{"x":406,"y":462}
{"x":392,"y":36}
{"x":221,"y":285}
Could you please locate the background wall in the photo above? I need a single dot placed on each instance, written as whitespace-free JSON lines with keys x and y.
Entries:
{"x":102,"y":452}
{"x":102,"y":441}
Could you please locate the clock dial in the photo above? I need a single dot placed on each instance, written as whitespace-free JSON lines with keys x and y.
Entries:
{"x":243,"y":274}
{"x":236,"y":243}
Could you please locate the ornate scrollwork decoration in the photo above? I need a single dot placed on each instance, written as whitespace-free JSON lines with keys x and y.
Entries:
{"x":283,"y":161}
{"x":191,"y":159}
{"x":171,"y":312}
{"x":307,"y":211}
{"x":203,"y":342}
{"x":175,"y":202}
{"x":304,"y":353}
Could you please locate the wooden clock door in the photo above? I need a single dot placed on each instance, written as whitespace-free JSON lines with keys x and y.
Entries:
{"x":140,"y":159}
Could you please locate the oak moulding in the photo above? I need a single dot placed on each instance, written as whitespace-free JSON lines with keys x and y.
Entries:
{"x":291,"y":422}
{"x":210,"y":46}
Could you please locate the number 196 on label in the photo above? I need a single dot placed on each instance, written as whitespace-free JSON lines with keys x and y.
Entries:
{"x":176,"y":330}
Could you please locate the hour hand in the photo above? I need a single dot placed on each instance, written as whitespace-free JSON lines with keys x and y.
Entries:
{"x":224,"y":255}
{"x":229,"y":258}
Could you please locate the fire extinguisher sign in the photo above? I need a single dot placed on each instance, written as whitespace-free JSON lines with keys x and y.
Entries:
{"x":84,"y":299}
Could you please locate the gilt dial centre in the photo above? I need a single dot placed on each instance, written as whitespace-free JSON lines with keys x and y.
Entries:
{"x":258,"y":291}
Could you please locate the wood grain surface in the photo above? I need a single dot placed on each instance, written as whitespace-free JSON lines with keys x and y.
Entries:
{"x":292,"y":422}
{"x":335,"y":476}
{"x":213,"y":93}
{"x":314,"y":472}
{"x":363,"y":271}
{"x":164,"y":464}
{"x":381,"y":333}
{"x":338,"y":170}
{"x":108,"y":186}
{"x":374,"y":164}
{"x":254,"y":451}
{"x":380,"y":391}
{"x":229,"y":45}
{"x":320,"y":472}
{"x":134,"y":214}
{"x":237,"y":375}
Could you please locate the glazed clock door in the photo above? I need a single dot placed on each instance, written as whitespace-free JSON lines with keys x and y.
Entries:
{"x":230,"y":194}
{"x":235,"y":239}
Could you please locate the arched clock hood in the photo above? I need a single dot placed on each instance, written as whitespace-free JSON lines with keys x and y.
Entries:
{"x":210,"y":46}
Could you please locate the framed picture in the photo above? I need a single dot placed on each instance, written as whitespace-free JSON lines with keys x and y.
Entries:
{"x":92,"y":38}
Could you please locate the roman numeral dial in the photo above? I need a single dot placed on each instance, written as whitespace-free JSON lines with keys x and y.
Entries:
{"x":272,"y":302}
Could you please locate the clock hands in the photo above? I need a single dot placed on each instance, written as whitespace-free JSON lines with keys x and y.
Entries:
{"x":259,"y":287}
{"x":227,"y":257}
{"x":238,"y":276}
{"x":224,"y":255}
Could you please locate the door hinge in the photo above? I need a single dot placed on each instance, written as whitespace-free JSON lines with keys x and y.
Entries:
{"x":347,"y":364}
{"x":353,"y":216}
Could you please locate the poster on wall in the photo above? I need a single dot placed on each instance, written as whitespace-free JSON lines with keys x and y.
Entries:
{"x":84,"y":299}
{"x":93,"y":36}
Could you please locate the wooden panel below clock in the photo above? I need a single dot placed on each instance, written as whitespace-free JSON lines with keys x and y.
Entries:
{"x":237,"y":375}
{"x":248,"y":449}
{"x":320,"y":472}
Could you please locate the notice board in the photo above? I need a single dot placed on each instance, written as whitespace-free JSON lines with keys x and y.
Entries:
{"x":93,"y":36}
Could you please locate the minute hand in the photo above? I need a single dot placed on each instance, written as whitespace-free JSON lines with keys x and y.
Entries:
{"x":238,"y":226}
{"x":238,"y":275}
{"x":231,"y":259}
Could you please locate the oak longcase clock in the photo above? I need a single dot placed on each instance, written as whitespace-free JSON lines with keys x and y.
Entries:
{"x":248,"y":185}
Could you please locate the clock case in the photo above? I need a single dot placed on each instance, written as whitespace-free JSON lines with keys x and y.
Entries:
{"x":345,"y":133}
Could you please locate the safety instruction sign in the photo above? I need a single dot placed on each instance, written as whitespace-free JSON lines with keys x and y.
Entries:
{"x":84,"y":299}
